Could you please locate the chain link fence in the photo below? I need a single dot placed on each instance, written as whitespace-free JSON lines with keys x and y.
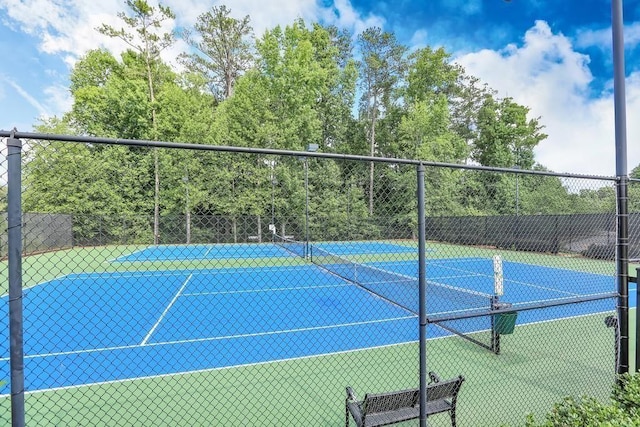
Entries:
{"x":275,"y":282}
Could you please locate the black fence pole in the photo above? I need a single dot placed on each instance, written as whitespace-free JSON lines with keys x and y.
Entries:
{"x":14,"y":231}
{"x":637,"y":320}
{"x":622,"y":180}
{"x":622,"y":255}
{"x":422,"y":307}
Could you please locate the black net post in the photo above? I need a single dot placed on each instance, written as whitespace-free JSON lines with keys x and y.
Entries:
{"x":14,"y":231}
{"x":495,"y":336}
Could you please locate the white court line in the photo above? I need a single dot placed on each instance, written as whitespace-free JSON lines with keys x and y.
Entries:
{"x":268,"y":362}
{"x":129,"y":254}
{"x":125,"y":274}
{"x":473,"y":273}
{"x":164,"y":273}
{"x":198,"y":340}
{"x":200,"y":371}
{"x":164,"y":313}
{"x":546,"y":288}
{"x":456,"y":260}
{"x":206,"y":254}
{"x":531,"y":285}
{"x":244,"y":291}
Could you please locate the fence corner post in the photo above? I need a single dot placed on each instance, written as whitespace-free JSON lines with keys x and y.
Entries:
{"x":422,"y":310}
{"x":14,"y":232}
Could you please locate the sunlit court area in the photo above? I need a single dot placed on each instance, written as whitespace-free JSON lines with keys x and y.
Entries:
{"x":319,"y":213}
{"x":225,"y":319}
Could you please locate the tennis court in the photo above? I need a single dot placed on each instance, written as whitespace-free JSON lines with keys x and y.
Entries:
{"x":179,"y":304}
{"x":245,"y":316}
{"x":255,"y":250}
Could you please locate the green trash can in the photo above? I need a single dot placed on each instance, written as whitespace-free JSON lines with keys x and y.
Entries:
{"x":505,"y":323}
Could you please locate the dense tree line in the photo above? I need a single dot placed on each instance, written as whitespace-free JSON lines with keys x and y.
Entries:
{"x":294,"y":85}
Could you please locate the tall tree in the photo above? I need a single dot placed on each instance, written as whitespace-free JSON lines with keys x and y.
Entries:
{"x":381,"y":69}
{"x":634,"y":190}
{"x":505,"y":136}
{"x":110,"y":98}
{"x":431,"y":74}
{"x":223,"y":48}
{"x":144,"y":35}
{"x":334,"y":103}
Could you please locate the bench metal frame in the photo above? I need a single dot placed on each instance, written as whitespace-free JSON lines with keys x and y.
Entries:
{"x":383,"y":409}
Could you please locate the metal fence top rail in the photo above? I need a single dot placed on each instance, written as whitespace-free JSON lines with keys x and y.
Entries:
{"x":270,"y":151}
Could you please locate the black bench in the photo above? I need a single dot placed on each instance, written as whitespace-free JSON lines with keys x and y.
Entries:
{"x":394,"y":407}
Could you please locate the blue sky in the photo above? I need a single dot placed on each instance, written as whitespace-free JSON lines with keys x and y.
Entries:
{"x":553,"y":56}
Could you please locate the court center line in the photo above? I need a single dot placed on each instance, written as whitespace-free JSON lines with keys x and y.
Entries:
{"x":212,"y":271}
{"x":266,"y":362}
{"x":219,"y":368}
{"x":130,"y":254}
{"x":166,"y":310}
{"x":175,"y":374}
{"x":206,"y":254}
{"x":551,"y":289}
{"x":218,"y":338}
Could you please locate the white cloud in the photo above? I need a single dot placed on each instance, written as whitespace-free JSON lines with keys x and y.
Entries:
{"x":546,"y":74}
{"x":68,"y":27}
{"x":419,"y":39}
{"x":465,"y":7}
{"x":602,"y":38}
{"x":343,"y":15}
{"x":33,"y":15}
{"x":54,"y":98}
{"x":58,"y":98}
{"x":24,"y":94}
{"x":263,"y":14}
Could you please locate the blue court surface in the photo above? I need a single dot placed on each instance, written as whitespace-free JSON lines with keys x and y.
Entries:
{"x":254,"y":250}
{"x":103,"y":327}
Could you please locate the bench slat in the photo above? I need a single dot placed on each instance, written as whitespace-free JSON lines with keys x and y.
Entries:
{"x":392,"y":401}
{"x":380,"y":409}
{"x":397,"y":416}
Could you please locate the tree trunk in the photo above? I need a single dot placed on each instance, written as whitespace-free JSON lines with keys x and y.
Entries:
{"x":156,"y":162}
{"x":373,"y":152}
{"x":156,"y":199}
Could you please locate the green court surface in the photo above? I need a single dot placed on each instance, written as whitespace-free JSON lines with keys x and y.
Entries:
{"x":46,"y":266}
{"x":538,"y":364}
{"x":526,"y":378}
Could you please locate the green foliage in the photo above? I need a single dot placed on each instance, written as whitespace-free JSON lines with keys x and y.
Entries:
{"x":622,"y":410}
{"x":222,"y":50}
{"x":626,"y":394}
{"x":506,"y":137}
{"x":585,"y":412}
{"x":293,"y":86}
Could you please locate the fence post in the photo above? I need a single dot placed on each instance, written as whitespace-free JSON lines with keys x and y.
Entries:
{"x":14,"y":231}
{"x":637,"y":320}
{"x":622,"y":260}
{"x":422,"y":310}
{"x":623,"y":178}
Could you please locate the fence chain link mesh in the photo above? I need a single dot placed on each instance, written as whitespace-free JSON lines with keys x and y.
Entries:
{"x":275,"y":282}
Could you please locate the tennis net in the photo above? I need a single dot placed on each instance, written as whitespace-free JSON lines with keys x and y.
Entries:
{"x":293,"y":246}
{"x":402,"y":290}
